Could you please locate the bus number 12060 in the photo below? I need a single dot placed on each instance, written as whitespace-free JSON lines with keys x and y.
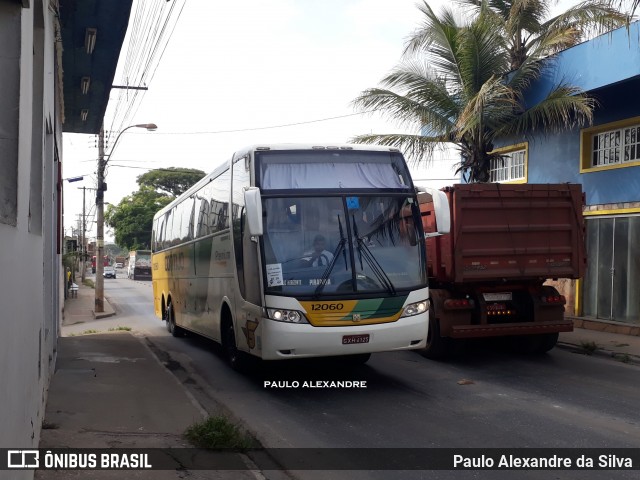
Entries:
{"x":327,"y":306}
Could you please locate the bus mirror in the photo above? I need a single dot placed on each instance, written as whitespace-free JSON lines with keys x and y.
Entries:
{"x":253,"y":208}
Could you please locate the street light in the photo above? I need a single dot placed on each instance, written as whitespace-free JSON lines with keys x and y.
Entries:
{"x":102,"y":163}
{"x":74,"y":179}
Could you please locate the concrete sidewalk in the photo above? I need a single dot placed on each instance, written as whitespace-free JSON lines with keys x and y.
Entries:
{"x":110,"y":391}
{"x":81,"y":308}
{"x":623,"y":348}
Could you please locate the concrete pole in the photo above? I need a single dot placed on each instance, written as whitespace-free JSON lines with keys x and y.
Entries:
{"x":99,"y":302}
{"x":102,"y":163}
{"x":83,"y":255}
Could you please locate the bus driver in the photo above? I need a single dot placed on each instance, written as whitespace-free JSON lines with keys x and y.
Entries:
{"x":319,"y":257}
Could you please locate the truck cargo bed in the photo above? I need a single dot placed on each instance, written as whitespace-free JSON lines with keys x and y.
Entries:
{"x":506,"y":232}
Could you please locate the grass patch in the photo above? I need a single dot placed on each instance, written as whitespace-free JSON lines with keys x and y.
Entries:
{"x":88,"y":282}
{"x":219,"y":432}
{"x":622,"y":357}
{"x":589,"y":347}
{"x":119,"y":328}
{"x":88,"y":332}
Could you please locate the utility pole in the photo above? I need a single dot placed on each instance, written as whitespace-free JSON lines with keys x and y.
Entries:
{"x":84,"y":228}
{"x":102,"y":186}
{"x":99,"y":302}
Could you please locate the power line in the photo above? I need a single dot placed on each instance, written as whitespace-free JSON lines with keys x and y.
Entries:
{"x":150,"y":32}
{"x":165,"y":169}
{"x":266,"y":128}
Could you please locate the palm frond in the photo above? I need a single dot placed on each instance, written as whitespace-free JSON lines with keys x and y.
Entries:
{"x":437,"y":40}
{"x":494,"y":104}
{"x":526,"y":16}
{"x":405,"y":112}
{"x":417,"y":148}
{"x":433,"y":30}
{"x":482,"y":54}
{"x":591,"y":17}
{"x":563,"y":108}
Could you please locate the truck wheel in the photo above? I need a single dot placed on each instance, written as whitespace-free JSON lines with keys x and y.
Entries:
{"x":171,"y":323}
{"x":437,"y":346}
{"x":534,"y":344}
{"x":546,"y":342}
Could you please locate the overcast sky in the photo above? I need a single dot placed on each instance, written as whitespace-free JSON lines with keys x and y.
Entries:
{"x":246,"y":64}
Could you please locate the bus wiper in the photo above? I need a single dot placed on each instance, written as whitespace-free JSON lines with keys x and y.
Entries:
{"x":343,"y":240}
{"x":329,"y":269}
{"x":364,"y":252}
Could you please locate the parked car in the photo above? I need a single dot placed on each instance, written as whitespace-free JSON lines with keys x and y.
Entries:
{"x":109,"y":272}
{"x":119,"y":265}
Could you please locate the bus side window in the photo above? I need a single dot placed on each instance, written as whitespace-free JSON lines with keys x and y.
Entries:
{"x":203,"y":219}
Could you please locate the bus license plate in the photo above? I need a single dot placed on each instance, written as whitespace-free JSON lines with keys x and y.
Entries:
{"x":350,"y":339}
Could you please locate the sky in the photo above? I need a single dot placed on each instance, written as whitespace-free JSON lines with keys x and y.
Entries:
{"x":244,"y":65}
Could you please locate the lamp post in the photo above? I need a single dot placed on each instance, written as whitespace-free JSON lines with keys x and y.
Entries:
{"x":102,"y":163}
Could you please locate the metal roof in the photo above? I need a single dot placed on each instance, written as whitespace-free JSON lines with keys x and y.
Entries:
{"x":92,"y":35}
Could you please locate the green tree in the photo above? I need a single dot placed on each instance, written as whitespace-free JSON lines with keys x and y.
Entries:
{"x":132,"y":218}
{"x":455,"y":86}
{"x":174,"y":181}
{"x":531,"y":33}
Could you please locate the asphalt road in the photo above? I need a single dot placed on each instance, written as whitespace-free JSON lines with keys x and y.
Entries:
{"x":489,"y":398}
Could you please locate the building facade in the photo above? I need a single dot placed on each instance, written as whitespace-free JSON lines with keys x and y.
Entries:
{"x":30,"y":215}
{"x":605,"y":158}
{"x":42,"y":42}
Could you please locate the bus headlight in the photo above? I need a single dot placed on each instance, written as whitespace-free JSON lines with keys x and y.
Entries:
{"x":289,"y":316}
{"x":415,"y":308}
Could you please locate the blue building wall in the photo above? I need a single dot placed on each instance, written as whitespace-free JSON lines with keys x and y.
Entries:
{"x":556,"y":157}
{"x":608,"y":67}
{"x":603,"y":61}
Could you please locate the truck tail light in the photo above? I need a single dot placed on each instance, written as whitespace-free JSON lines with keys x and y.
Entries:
{"x":499,"y":309}
{"x":458,"y":304}
{"x":553,"y":300}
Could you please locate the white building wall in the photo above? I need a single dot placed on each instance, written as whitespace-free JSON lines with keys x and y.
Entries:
{"x":30,"y":298}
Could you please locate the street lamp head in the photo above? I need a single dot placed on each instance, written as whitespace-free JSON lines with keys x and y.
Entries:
{"x":74,"y":179}
{"x":148,"y":126}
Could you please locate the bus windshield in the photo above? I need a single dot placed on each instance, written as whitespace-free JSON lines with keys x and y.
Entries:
{"x":342,"y":245}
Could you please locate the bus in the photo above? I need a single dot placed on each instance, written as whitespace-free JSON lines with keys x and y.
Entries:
{"x":295,"y":251}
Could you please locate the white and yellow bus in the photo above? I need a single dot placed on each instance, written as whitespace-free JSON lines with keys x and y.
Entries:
{"x":292,"y":251}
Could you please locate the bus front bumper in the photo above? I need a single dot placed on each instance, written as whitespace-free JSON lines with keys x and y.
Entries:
{"x":286,"y":340}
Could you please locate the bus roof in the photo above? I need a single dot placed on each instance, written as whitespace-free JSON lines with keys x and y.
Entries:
{"x":313,"y":146}
{"x":273,"y":147}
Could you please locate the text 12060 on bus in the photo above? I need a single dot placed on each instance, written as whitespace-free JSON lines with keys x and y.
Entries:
{"x":296,"y":251}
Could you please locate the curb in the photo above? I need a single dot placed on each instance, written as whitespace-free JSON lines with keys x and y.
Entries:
{"x":109,"y":311}
{"x":621,"y":357}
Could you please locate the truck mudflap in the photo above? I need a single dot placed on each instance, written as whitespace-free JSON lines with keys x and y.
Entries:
{"x":504,"y":329}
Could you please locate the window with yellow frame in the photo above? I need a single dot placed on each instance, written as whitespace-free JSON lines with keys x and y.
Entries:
{"x":612,"y":145}
{"x":511,"y":166}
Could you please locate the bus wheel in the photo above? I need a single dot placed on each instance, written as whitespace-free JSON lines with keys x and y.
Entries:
{"x":237,"y":359}
{"x":171,"y":322}
{"x":437,"y":347}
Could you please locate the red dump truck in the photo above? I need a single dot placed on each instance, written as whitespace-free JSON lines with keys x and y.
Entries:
{"x":486,"y":277}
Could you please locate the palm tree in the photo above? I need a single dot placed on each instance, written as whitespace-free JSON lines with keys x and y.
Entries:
{"x":456,"y":87}
{"x":530,"y":33}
